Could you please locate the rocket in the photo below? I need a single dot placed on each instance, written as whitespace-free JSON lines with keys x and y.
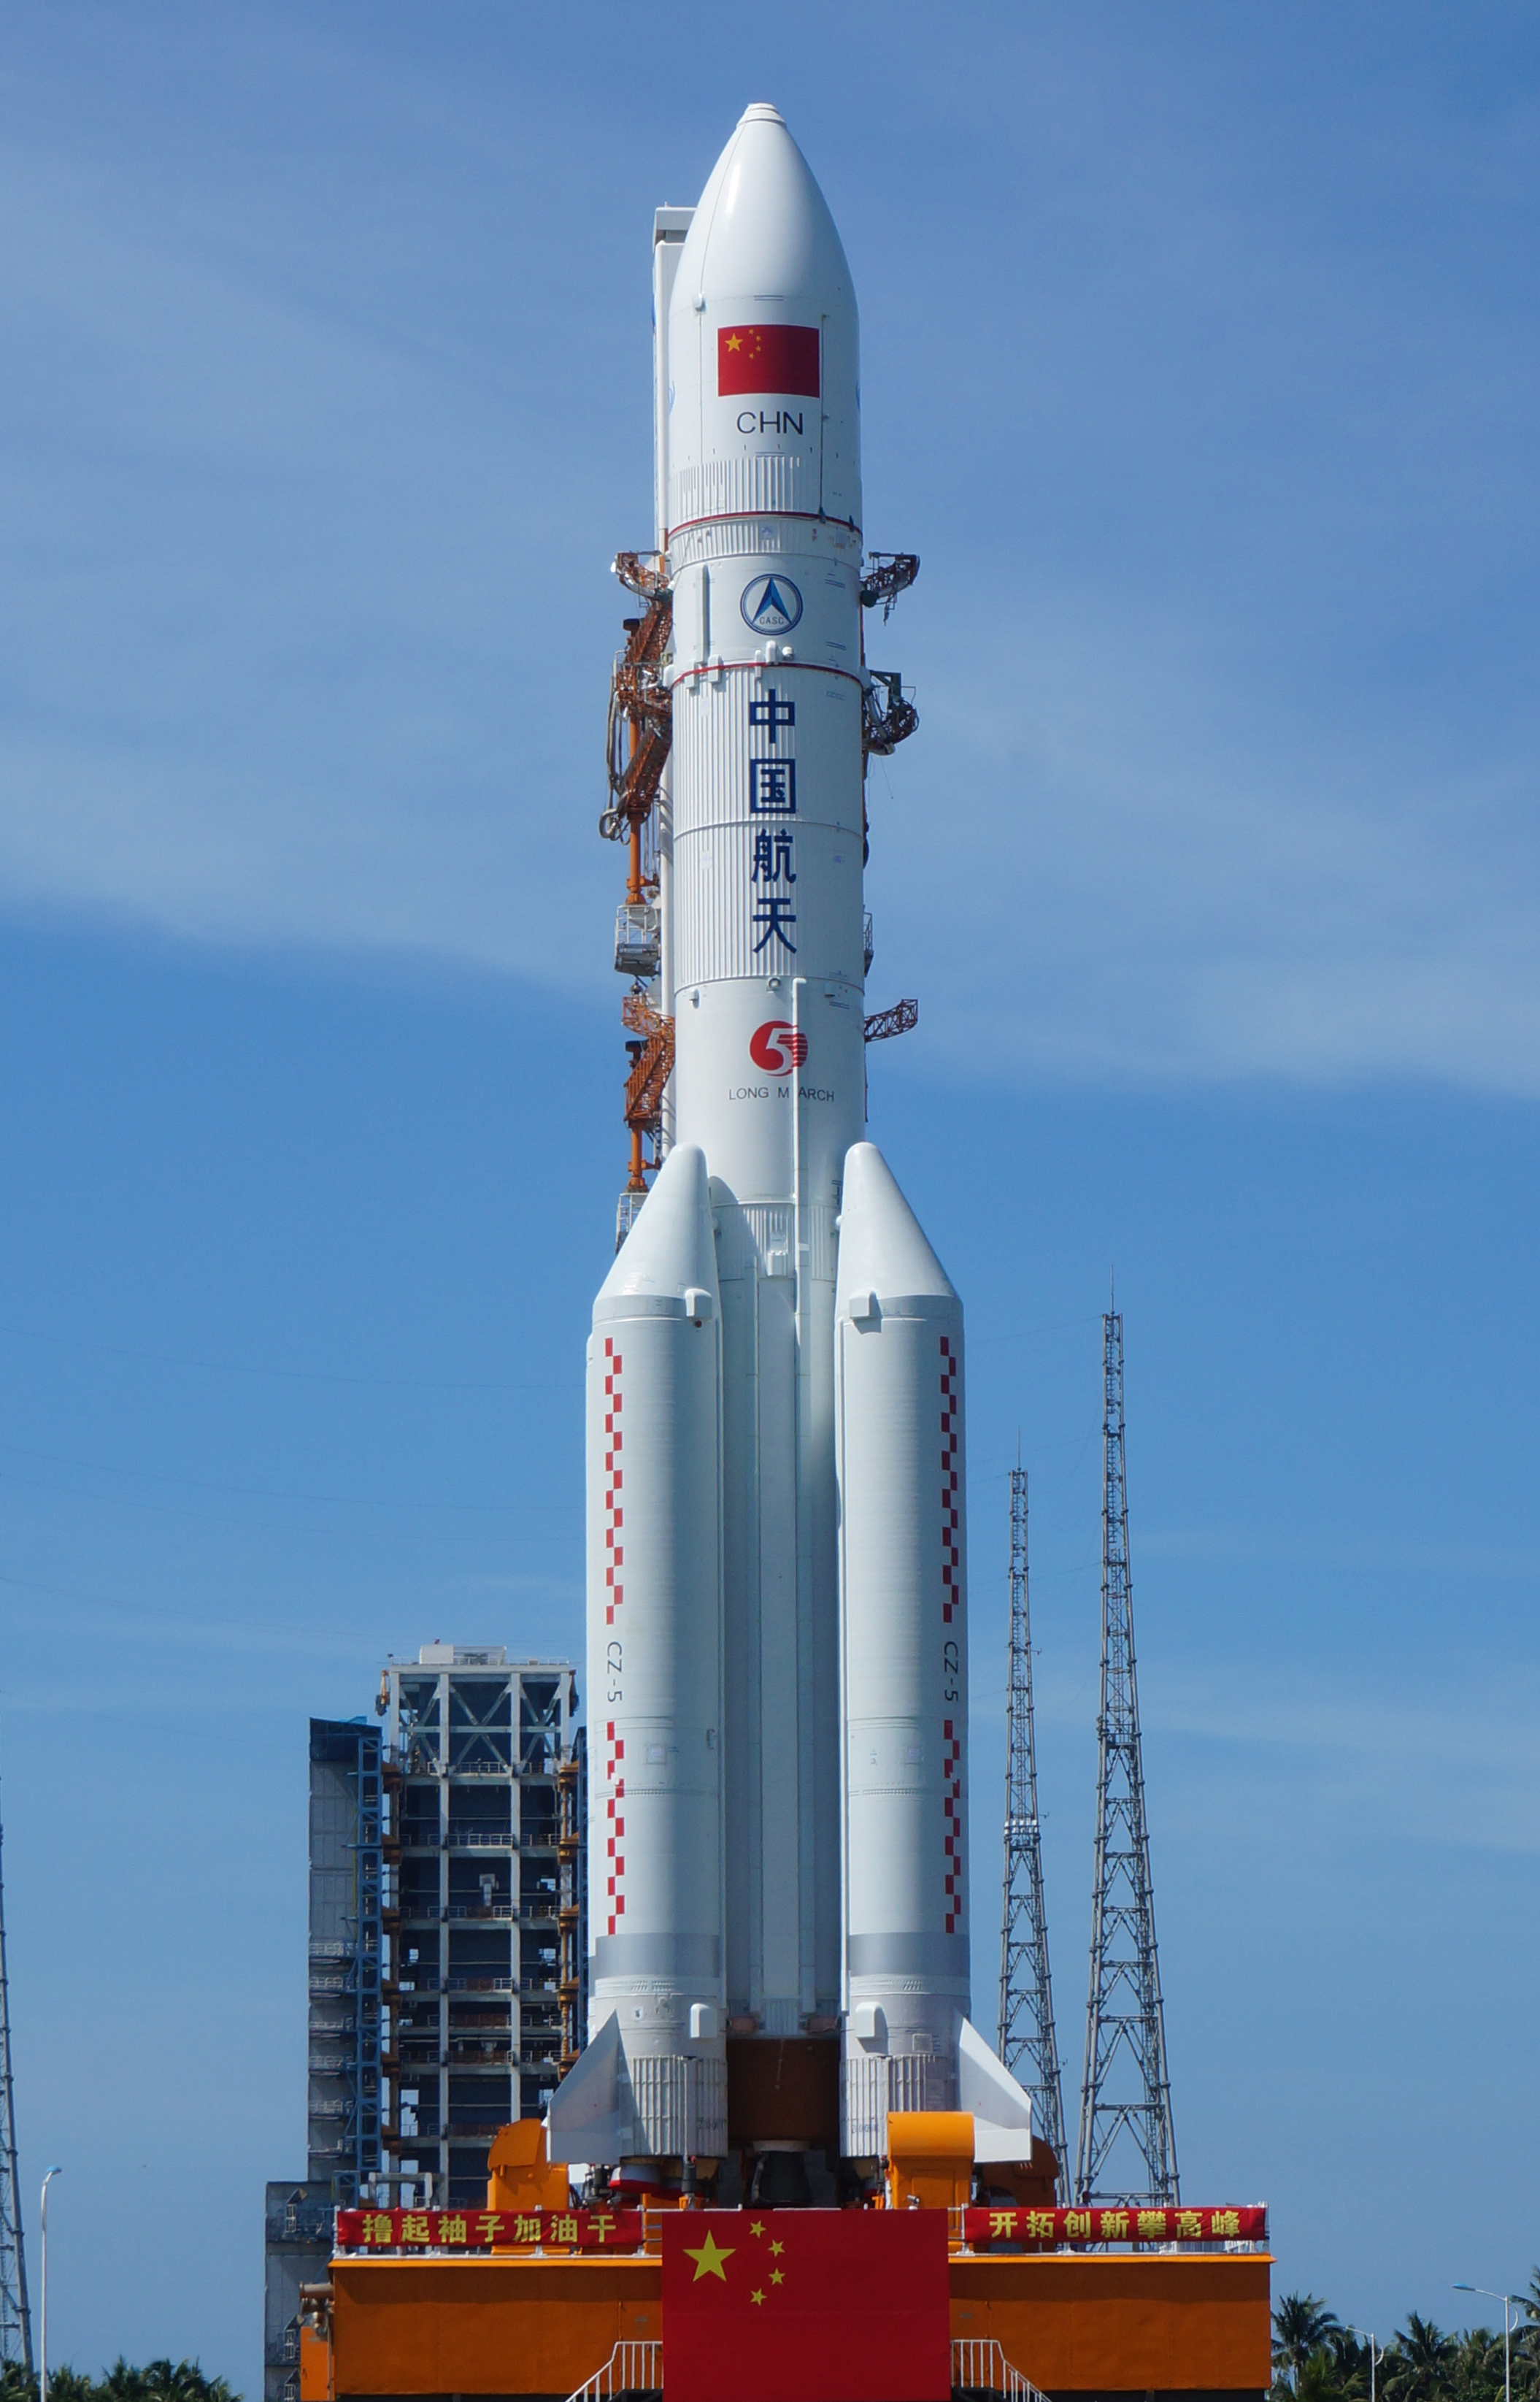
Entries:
{"x":776,"y":1581}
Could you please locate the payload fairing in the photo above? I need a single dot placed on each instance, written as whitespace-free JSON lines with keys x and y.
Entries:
{"x":778,"y":1652}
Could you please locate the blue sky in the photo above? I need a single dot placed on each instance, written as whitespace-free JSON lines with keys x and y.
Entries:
{"x":1200,"y":365}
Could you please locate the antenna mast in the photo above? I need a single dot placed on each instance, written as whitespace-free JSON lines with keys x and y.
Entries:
{"x":15,"y":2316}
{"x":1028,"y":2044}
{"x":1126,"y":2093}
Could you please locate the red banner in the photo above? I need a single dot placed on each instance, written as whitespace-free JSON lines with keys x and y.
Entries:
{"x":767,"y":358}
{"x":794,"y":2305}
{"x":1120,"y":2223}
{"x":391,"y":2230}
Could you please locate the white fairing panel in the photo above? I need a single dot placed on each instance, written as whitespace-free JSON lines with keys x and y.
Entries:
{"x":899,"y":1407}
{"x":762,"y":250}
{"x":654,"y":1662}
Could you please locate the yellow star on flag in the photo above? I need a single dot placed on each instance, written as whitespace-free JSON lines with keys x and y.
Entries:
{"x":758,"y":2295}
{"x":709,"y":2259}
{"x":778,"y":2277}
{"x":777,"y":2249}
{"x":758,"y":2226}
{"x":734,"y":343}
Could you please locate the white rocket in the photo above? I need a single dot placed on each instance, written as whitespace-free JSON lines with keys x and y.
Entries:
{"x":777,"y":1645}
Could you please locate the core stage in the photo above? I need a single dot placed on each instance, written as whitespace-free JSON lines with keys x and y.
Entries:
{"x":1181,"y":2325}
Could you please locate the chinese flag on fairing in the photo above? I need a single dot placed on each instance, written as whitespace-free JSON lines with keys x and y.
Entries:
{"x":767,"y":358}
{"x":806,"y":2306}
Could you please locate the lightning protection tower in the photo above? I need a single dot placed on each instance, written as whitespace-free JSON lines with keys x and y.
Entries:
{"x":15,"y":2317}
{"x":1027,"y":2043}
{"x":1127,"y":2150}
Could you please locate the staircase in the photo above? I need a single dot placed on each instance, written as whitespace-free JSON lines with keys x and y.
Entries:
{"x":980,"y":2366}
{"x":632,"y":2368}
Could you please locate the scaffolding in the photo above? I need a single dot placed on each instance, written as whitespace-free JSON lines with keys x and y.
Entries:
{"x":572,"y":1897}
{"x":484,"y":1991}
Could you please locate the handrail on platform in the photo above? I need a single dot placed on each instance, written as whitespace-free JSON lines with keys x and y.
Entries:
{"x":980,"y":2366}
{"x":631,"y":2368}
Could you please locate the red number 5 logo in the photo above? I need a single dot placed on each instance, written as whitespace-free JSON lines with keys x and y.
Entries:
{"x":777,"y":1048}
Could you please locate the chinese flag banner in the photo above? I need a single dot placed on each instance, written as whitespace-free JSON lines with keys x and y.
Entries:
{"x":389,"y":2230}
{"x":767,"y":358}
{"x":1118,"y":2225}
{"x":800,"y":2305}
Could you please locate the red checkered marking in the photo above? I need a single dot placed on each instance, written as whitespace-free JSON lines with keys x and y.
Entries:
{"x":952,"y":1786}
{"x":614,"y":1517}
{"x":951,"y":1427}
{"x":614,"y":1833}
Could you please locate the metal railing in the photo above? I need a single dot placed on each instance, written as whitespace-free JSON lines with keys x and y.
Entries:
{"x":980,"y":2366}
{"x":631,"y":2368}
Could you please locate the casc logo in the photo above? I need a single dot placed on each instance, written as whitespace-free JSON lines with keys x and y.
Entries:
{"x":777,"y":1047}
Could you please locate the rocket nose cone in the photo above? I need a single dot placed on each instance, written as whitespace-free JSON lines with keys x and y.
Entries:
{"x":763,"y":229}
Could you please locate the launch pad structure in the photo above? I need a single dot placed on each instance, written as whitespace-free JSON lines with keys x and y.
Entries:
{"x":786,"y":2166}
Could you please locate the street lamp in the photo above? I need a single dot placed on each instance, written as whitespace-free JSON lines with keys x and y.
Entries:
{"x":43,"y":2355}
{"x":1517,"y":2299}
{"x":1374,"y":2358}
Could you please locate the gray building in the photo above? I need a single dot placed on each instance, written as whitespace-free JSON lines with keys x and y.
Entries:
{"x":347,"y":1833}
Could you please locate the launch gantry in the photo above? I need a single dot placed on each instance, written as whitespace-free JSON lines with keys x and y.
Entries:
{"x":638,"y":739}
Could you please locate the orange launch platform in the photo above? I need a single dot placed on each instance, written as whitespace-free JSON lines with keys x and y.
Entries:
{"x":919,"y":2298}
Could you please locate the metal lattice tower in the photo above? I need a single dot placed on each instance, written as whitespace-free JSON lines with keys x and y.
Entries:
{"x":15,"y":2316}
{"x":1127,"y":2149}
{"x":1027,"y":2043}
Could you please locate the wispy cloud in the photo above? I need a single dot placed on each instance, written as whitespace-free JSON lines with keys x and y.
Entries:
{"x":323,"y":423}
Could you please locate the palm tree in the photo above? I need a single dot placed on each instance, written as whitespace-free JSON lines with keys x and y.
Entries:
{"x":1351,"y":2356}
{"x":1419,"y":2363}
{"x":1478,"y":2366}
{"x":122,"y":2383}
{"x":185,"y":2381}
{"x":1526,"y":2344}
{"x":1301,"y":2324}
{"x":1316,"y":2381}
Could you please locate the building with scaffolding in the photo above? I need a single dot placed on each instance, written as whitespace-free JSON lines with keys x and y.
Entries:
{"x":485,"y":1910}
{"x":448,"y":1943}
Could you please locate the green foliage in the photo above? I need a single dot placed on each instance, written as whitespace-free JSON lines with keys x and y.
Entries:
{"x":1301,"y":2326}
{"x":161,"y":2381}
{"x":1317,"y":2359}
